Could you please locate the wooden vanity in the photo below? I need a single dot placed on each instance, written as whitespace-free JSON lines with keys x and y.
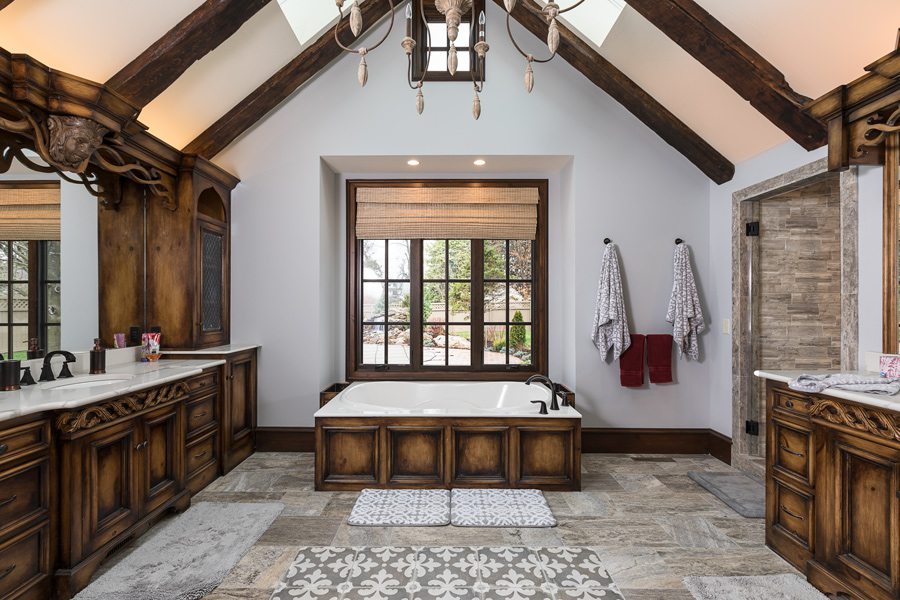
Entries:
{"x":77,"y":484}
{"x":833,"y":491}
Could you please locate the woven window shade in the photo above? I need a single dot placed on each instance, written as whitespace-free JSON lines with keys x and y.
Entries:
{"x":29,"y":213}
{"x":493,"y":213}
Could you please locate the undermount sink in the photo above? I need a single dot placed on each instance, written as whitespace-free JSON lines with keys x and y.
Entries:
{"x":87,"y":381}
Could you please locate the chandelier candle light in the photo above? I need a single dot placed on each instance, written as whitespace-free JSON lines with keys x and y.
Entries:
{"x":453,"y":11}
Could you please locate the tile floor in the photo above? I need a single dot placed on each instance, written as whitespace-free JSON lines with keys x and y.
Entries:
{"x":650,"y":524}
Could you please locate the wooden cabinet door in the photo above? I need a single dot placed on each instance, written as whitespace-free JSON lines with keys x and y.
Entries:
{"x":110,"y":483}
{"x":862,"y":543}
{"x":240,"y":409}
{"x":213,"y":289}
{"x":161,"y":456}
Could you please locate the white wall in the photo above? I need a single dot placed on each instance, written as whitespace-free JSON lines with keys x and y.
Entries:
{"x":79,"y":266}
{"x":624,"y":182}
{"x":779,"y":160}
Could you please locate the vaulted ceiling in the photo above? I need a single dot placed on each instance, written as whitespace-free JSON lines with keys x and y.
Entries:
{"x":691,"y":67}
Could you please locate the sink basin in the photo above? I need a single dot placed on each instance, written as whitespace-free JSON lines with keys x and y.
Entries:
{"x":87,"y":381}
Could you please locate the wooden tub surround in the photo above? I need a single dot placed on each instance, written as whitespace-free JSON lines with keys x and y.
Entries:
{"x":833,"y":491}
{"x":522,"y":450}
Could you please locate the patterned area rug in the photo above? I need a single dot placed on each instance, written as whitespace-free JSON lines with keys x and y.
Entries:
{"x":448,"y":573}
{"x":401,"y":508}
{"x":760,"y":587}
{"x":500,"y":508}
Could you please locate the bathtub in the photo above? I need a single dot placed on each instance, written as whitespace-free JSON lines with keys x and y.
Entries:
{"x":408,"y":434}
{"x":443,"y":399}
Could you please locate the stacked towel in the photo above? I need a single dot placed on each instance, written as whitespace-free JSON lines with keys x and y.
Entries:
{"x":659,"y":358}
{"x":684,"y":310}
{"x":869,"y":384}
{"x":610,"y":329}
{"x":631,"y":365}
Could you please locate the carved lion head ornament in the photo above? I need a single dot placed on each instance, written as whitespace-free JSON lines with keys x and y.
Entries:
{"x":73,"y":140}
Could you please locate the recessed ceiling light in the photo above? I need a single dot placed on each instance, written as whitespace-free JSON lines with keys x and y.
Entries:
{"x":412,"y":162}
{"x":479,"y":162}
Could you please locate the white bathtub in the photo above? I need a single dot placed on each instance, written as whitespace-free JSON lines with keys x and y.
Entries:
{"x":443,"y":399}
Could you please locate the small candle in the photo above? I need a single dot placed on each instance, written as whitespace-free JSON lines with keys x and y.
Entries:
{"x":409,"y":19}
{"x":481,"y":21}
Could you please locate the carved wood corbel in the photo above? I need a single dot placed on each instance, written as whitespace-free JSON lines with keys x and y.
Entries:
{"x":76,"y":148}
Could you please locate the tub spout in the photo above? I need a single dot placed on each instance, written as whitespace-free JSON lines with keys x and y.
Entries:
{"x":554,"y":389}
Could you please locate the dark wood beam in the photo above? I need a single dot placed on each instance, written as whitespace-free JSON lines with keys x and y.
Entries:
{"x":148,"y":75}
{"x":735,"y":63}
{"x":5,"y":3}
{"x":627,"y":93}
{"x":281,"y":85}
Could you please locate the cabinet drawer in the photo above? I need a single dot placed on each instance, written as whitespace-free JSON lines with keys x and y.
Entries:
{"x":200,"y":413}
{"x":791,"y":514}
{"x":201,"y":453}
{"x":24,"y":493}
{"x":24,"y":562}
{"x":23,"y":439}
{"x":791,"y":402}
{"x":203,"y":383}
{"x":793,"y":450}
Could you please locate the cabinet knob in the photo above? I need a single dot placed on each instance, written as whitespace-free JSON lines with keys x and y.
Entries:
{"x":789,"y":403}
{"x":3,"y":448}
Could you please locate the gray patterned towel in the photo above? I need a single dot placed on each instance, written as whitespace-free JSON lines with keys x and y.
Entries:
{"x":401,"y":508}
{"x":610,"y":330}
{"x":846,"y":381}
{"x":684,"y":310}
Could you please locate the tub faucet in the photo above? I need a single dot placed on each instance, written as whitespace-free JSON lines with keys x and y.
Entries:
{"x":554,"y":389}
{"x":47,"y":370}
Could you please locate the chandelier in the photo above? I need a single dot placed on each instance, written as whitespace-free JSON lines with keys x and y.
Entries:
{"x":453,"y":11}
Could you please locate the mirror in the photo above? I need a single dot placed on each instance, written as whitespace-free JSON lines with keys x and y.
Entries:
{"x":48,"y":263}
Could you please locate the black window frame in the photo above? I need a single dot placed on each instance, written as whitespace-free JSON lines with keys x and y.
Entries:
{"x":420,"y":54}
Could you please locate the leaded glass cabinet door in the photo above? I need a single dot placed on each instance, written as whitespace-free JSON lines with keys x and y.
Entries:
{"x":213,"y":286}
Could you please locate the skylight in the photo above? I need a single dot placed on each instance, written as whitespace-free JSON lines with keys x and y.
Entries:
{"x":593,"y":20}
{"x":310,"y":18}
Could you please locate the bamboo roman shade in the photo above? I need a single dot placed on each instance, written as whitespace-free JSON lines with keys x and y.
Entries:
{"x":492,"y":213}
{"x":29,"y":212}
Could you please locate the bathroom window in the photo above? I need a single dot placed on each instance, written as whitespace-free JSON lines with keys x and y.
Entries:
{"x":437,"y":307}
{"x":440,"y":44}
{"x":30,"y":296}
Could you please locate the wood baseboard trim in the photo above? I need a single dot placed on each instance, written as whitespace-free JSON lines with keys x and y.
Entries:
{"x":285,"y":439}
{"x":606,"y":440}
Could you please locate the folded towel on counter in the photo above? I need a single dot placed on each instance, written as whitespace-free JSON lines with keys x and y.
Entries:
{"x":631,"y":364}
{"x":870,"y":384}
{"x":610,"y":330}
{"x":659,"y":357}
{"x":684,"y":310}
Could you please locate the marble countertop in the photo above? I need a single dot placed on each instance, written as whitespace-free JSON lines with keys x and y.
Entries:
{"x":875,"y":400}
{"x":132,"y":377}
{"x":226,"y":349}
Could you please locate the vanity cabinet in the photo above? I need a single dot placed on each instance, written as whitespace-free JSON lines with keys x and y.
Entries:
{"x":833,"y":492}
{"x":25,"y":509}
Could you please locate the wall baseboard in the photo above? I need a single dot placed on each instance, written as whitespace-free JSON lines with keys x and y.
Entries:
{"x":593,"y":440}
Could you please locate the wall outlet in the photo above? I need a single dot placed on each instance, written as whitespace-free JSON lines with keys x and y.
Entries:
{"x":726,"y":326}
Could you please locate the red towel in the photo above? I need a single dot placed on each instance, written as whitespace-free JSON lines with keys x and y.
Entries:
{"x":659,"y":358}
{"x":631,"y":363}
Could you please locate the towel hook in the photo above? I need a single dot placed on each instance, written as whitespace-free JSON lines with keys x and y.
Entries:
{"x":678,"y":241}
{"x":606,"y":241}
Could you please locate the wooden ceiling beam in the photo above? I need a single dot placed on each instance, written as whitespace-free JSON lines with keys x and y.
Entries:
{"x":5,"y":3}
{"x":202,"y":31}
{"x":737,"y":64}
{"x":623,"y":90}
{"x":281,"y":85}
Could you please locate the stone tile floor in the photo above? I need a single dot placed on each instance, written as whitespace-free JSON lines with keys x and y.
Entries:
{"x":650,"y":524}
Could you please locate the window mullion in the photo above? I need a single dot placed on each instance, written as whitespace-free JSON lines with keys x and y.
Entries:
{"x":477,"y":307}
{"x":416,"y":274}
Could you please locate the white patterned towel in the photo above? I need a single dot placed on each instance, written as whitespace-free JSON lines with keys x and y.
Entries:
{"x":684,"y":310}
{"x":869,"y":384}
{"x":610,"y":320}
{"x":401,"y":508}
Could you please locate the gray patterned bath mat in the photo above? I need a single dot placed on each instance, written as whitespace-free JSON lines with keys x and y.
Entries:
{"x":401,"y":508}
{"x":447,"y":573}
{"x":500,"y":508}
{"x":761,"y":587}
{"x":742,"y":493}
{"x":187,"y":556}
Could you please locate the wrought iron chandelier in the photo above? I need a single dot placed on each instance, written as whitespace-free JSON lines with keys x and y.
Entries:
{"x":453,"y":11}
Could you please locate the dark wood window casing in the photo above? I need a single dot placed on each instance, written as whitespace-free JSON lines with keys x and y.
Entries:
{"x":463,"y":46}
{"x":477,"y":370}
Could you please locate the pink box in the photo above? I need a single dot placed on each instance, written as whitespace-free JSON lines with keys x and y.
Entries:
{"x":890,"y":366}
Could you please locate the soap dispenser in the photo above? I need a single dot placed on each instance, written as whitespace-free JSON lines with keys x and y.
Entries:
{"x":98,"y":358}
